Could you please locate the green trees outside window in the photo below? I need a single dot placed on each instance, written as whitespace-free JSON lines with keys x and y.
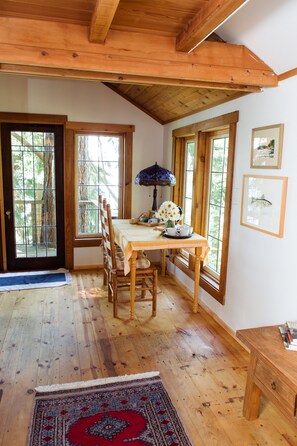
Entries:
{"x":98,"y":160}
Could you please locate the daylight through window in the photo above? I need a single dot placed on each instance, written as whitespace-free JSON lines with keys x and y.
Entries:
{"x":203,"y":158}
{"x":216,"y":200}
{"x":99,"y":159}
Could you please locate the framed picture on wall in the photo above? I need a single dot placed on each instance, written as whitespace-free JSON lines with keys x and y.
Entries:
{"x":267,"y":143}
{"x":263,"y":203}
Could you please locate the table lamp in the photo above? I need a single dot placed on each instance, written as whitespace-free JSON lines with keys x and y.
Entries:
{"x":155,"y":176}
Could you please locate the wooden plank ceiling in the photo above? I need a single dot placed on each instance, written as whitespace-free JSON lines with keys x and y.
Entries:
{"x":162,"y":56}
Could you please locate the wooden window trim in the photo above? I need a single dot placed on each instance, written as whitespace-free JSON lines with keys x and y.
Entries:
{"x":87,"y":242}
{"x":206,"y":126}
{"x":201,"y":131}
{"x":32,"y":118}
{"x":89,"y":127}
{"x":79,"y":239}
{"x":71,"y":241}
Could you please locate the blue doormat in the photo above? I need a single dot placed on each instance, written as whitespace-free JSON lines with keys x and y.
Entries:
{"x":36,"y":279}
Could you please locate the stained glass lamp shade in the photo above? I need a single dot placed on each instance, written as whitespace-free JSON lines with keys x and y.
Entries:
{"x":155,"y":176}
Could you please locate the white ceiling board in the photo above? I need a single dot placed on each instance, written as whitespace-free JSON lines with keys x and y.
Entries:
{"x":269,"y":29}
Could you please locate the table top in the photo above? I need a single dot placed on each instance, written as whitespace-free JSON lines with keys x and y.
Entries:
{"x":144,"y":237}
{"x":266,"y":342}
{"x":131,"y":237}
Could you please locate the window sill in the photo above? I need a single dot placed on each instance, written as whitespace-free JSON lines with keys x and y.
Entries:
{"x":87,"y":242}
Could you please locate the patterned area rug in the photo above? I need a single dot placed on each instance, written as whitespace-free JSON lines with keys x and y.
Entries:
{"x":35,"y":279}
{"x":131,"y":410}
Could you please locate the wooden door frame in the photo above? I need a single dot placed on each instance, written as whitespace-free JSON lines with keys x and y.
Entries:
{"x":26,"y":118}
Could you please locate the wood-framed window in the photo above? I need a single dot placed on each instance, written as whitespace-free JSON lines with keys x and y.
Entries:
{"x":217,"y":150}
{"x":101,"y":163}
{"x":187,"y":202}
{"x":203,"y":158}
{"x":99,"y":170}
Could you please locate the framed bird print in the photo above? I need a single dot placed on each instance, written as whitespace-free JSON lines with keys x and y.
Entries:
{"x":263,"y":203}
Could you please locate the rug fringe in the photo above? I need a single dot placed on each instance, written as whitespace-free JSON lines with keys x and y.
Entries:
{"x":95,"y":382}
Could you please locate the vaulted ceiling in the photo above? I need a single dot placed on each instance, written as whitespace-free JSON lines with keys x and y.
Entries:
{"x":162,"y":56}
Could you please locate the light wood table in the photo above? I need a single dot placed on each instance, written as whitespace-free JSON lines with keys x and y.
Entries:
{"x":133,"y":238}
{"x":272,"y":370}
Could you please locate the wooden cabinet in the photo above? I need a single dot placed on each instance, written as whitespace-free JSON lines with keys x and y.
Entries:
{"x":272,"y":371}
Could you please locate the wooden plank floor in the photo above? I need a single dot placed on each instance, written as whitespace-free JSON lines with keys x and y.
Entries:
{"x":66,"y":334}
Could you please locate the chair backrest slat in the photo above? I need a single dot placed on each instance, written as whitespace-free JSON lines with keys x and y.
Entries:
{"x":110,"y":244}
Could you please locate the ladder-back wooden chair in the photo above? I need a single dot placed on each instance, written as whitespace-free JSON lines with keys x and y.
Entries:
{"x":103,"y":221}
{"x":146,"y":274}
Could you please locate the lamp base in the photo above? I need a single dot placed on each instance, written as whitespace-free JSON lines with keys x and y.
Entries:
{"x":155,"y":206}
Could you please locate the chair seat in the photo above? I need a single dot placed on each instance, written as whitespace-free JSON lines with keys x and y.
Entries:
{"x":142,"y":262}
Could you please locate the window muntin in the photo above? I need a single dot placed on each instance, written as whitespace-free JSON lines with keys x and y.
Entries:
{"x":98,"y":171}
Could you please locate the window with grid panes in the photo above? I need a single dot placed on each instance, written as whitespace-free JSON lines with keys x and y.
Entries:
{"x":99,"y":160}
{"x":188,"y":181}
{"x":203,"y":157}
{"x":216,"y":200}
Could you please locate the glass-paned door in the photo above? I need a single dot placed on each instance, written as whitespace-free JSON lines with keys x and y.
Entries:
{"x":33,"y":195}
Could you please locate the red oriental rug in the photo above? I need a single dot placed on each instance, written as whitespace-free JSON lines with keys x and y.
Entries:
{"x":130,"y":410}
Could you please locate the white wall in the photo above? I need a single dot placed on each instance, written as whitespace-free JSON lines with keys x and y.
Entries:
{"x":261,"y":286}
{"x":89,"y":102}
{"x":261,"y":283}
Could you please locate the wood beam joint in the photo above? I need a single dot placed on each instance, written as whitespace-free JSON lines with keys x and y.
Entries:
{"x":102,"y":18}
{"x":206,"y":21}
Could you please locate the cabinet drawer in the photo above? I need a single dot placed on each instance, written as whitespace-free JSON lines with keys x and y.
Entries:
{"x":275,"y":387}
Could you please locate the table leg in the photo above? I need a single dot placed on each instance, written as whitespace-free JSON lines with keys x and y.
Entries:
{"x":198,"y":252}
{"x":163,"y":262}
{"x":132,"y":283}
{"x":252,"y":392}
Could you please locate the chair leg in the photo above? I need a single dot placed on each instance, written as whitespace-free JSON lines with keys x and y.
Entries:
{"x":115,"y":295}
{"x":105,"y":278}
{"x":109,"y":284}
{"x":155,"y":289}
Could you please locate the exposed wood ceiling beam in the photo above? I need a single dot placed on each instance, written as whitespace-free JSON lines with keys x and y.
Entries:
{"x":119,"y":78}
{"x":287,"y":74}
{"x":207,"y":20}
{"x":124,"y":54}
{"x":102,"y":18}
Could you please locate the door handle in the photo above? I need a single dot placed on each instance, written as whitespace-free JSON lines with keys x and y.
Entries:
{"x":8,"y":213}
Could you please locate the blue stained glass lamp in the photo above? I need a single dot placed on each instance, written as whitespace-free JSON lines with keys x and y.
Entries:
{"x":155,"y":176}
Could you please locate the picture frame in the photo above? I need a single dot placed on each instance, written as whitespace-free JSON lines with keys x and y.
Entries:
{"x":267,"y":145}
{"x":263,"y":203}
